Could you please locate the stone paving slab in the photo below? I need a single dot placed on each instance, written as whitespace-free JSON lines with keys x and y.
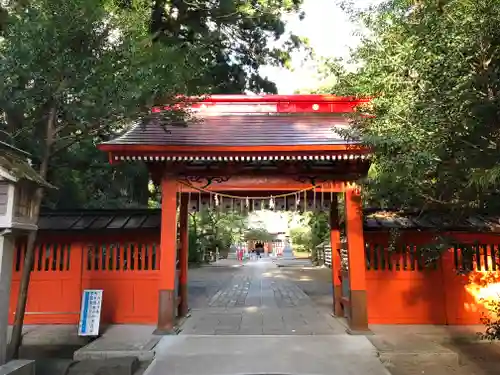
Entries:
{"x":258,"y":299}
{"x":122,"y":341}
{"x":116,"y":366}
{"x":18,"y":367}
{"x":410,"y":347}
{"x":60,"y":334}
{"x":230,"y":355}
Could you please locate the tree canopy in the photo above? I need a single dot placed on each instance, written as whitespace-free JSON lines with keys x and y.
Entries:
{"x":214,"y":230}
{"x":258,"y":234}
{"x":312,"y":230}
{"x":239,"y":35}
{"x":432,"y":69}
{"x":142,"y":53}
{"x":65,"y":85}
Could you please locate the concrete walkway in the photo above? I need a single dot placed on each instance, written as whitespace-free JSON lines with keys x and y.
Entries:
{"x":260,"y":322}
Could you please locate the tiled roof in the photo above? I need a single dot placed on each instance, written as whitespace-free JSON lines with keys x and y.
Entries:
{"x":98,"y":220}
{"x":16,"y":163}
{"x":238,"y":130}
{"x":95,"y":220}
{"x":382,"y":220}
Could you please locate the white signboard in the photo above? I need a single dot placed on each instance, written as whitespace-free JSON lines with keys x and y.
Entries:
{"x":90,"y":314}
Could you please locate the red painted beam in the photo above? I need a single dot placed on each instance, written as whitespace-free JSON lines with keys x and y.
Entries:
{"x":313,"y":103}
{"x":276,"y":98}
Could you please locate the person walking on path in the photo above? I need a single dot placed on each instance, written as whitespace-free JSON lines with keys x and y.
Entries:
{"x":259,"y":249}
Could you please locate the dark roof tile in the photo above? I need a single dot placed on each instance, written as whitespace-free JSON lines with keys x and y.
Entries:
{"x":422,"y":222}
{"x":84,"y":222}
{"x":135,"y":221}
{"x":101,"y":222}
{"x":239,"y":130}
{"x":57,"y":222}
{"x":118,"y":222}
{"x":16,"y":163}
{"x":152,"y":221}
{"x":98,"y":220}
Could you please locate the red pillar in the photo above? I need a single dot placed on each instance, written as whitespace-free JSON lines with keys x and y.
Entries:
{"x":358,"y":319}
{"x":168,"y":256}
{"x":335,"y":246}
{"x":184,"y":255}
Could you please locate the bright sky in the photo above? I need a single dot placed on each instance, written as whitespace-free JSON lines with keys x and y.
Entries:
{"x":330,"y":34}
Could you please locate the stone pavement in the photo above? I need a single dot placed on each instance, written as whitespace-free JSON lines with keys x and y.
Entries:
{"x":259,"y":300}
{"x":411,"y":349}
{"x":261,"y":322}
{"x":237,"y":355}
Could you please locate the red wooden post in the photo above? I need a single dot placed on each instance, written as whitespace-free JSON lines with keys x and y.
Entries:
{"x":358,"y":319}
{"x":168,"y":256}
{"x":335,"y":246}
{"x":184,"y":255}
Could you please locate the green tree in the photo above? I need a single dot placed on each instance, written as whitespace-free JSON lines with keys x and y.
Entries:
{"x":313,"y":231}
{"x":240,"y":35}
{"x":63,"y":82}
{"x":258,"y":234}
{"x":86,"y":179}
{"x":432,"y":69}
{"x":236,"y":38}
{"x":213,"y":230}
{"x":320,"y":231}
{"x":301,"y":238}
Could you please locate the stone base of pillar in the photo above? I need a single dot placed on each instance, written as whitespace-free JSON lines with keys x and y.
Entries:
{"x":166,"y":313}
{"x":338,"y":310}
{"x":358,"y":320}
{"x":183,"y":306}
{"x":367,"y":332}
{"x":6,"y":261}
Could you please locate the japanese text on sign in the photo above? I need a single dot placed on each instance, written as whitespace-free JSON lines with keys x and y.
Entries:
{"x":90,"y":315}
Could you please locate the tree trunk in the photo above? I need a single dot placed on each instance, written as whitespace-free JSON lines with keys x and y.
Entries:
{"x":16,"y":339}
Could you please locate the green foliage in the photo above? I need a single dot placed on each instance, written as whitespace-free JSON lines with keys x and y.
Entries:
{"x":320,"y":228}
{"x":195,"y":250}
{"x":212,"y":230}
{"x":237,"y":35}
{"x":106,"y":71}
{"x":432,"y":68}
{"x":300,"y":238}
{"x":85,"y":179}
{"x":66,"y":86}
{"x":258,"y":234}
{"x":315,"y":230}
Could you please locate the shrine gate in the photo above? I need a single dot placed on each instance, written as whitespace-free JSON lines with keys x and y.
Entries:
{"x":247,"y":153}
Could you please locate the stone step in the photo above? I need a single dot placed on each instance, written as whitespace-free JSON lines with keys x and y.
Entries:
{"x":53,"y":366}
{"x":110,"y":366}
{"x":121,"y":341}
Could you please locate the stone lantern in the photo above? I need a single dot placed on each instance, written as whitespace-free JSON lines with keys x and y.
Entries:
{"x":18,"y":183}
